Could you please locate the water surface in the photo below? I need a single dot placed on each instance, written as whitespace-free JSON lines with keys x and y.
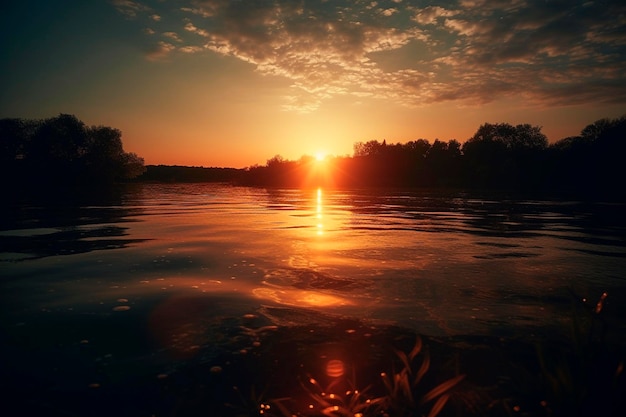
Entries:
{"x":440,"y":264}
{"x":170,"y":272}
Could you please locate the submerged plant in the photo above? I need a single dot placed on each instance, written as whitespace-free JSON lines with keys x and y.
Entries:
{"x":584,"y":377}
{"x":349,"y":403}
{"x":257,"y":405}
{"x":404,"y":392}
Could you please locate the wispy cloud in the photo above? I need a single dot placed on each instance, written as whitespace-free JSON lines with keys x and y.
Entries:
{"x":430,"y":14}
{"x":173,"y":36}
{"x":470,"y":51}
{"x":160,"y":51}
{"x":130,"y":8}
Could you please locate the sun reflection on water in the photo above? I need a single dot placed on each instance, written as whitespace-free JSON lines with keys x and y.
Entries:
{"x":301,"y":298}
{"x":319,"y":207}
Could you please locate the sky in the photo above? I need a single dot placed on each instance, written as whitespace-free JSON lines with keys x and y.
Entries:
{"x":233,"y":83}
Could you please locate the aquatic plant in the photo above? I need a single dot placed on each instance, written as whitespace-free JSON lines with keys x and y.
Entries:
{"x":350,"y":403}
{"x":584,"y":376}
{"x":405,"y":393}
{"x":256,"y":404}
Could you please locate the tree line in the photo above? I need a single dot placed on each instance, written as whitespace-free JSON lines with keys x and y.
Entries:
{"x":63,"y":151}
{"x":181,"y":173}
{"x":498,"y":156}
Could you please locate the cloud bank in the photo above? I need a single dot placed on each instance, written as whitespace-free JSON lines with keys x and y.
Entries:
{"x":469,"y":51}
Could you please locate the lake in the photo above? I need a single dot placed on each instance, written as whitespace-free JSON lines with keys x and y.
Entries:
{"x":138,"y":284}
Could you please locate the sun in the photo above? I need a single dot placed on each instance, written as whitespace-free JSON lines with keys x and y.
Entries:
{"x":318,"y":169}
{"x":320,"y":156}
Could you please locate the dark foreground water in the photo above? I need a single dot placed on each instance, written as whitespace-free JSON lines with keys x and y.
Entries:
{"x":158,"y":299}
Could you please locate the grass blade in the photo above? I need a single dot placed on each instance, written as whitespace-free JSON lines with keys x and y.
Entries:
{"x":442,"y":388}
{"x":423,"y":369}
{"x":416,"y":349}
{"x":438,"y":406}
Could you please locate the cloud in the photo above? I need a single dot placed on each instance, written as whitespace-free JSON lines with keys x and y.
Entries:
{"x":173,"y":36}
{"x":470,"y":51}
{"x":189,"y":27}
{"x":430,"y":14}
{"x":544,"y":51}
{"x":190,"y":49}
{"x":160,"y":51}
{"x":130,"y":8}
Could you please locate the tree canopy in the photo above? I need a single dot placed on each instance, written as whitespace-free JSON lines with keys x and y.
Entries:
{"x":62,"y":150}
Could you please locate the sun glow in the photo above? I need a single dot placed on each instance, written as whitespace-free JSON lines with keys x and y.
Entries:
{"x":318,"y":170}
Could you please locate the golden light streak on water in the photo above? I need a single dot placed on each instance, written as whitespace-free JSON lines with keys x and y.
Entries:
{"x":301,"y":298}
{"x":320,"y":207}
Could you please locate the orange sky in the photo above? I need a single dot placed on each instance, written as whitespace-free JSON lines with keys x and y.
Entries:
{"x":222,"y":83}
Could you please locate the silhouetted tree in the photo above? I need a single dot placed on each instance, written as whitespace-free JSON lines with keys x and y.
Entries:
{"x":63,"y":151}
{"x":178,"y":173}
{"x":371,"y":148}
{"x":443,"y":163}
{"x":15,"y":135}
{"x":592,"y":163}
{"x":497,"y":157}
{"x":503,"y":156}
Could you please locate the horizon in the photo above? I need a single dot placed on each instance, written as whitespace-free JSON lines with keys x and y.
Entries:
{"x":229,"y":84}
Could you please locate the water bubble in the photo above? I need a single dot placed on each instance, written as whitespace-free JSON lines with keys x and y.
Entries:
{"x":216,"y":369}
{"x":121,"y":308}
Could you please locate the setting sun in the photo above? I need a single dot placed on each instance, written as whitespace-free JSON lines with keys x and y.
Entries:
{"x":320,"y":172}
